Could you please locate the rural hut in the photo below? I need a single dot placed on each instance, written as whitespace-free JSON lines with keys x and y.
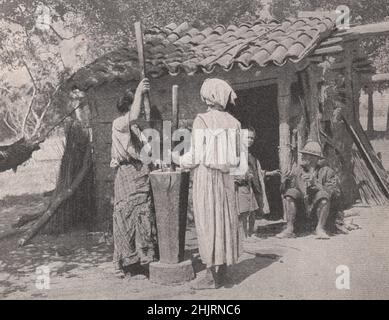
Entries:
{"x":296,"y":80}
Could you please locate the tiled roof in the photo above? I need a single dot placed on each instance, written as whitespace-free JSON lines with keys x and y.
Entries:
{"x":181,"y":48}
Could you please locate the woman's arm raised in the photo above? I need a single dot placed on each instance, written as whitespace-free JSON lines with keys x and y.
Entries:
{"x":143,"y":87}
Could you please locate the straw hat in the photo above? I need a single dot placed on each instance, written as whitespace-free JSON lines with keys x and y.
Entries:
{"x":313,"y":148}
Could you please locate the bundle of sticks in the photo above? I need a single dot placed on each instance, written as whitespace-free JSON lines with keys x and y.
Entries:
{"x":369,"y":191}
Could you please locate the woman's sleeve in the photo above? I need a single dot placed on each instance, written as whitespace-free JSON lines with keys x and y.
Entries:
{"x":190,"y":159}
{"x":122,"y":149}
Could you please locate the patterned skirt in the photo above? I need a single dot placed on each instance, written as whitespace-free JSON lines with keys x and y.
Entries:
{"x":134,"y":229}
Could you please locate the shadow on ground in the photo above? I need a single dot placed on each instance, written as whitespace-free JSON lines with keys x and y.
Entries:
{"x":244,"y":269}
{"x":269,"y":230}
{"x":61,"y":254}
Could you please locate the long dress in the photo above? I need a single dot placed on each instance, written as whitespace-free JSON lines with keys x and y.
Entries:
{"x":214,"y":199}
{"x":133,"y":217}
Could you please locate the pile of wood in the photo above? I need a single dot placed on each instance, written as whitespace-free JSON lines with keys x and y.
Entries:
{"x":369,"y":191}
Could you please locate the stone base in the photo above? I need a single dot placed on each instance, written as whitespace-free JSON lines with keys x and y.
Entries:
{"x":171,"y":274}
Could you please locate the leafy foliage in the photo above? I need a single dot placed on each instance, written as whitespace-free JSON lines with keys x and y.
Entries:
{"x":46,"y":41}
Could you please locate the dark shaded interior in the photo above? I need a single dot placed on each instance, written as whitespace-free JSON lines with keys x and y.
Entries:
{"x":257,"y":107}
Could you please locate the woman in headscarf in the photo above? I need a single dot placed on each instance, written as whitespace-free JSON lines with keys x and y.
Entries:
{"x":213,"y":155}
{"x":133,"y":218}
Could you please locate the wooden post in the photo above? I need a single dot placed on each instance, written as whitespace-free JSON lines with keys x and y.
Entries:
{"x":284,"y":102}
{"x":313,"y":98}
{"x":356,"y":83}
{"x":387,"y":124}
{"x":370,"y":110}
{"x":175,"y":107}
{"x":174,"y":116}
{"x":142,"y":64}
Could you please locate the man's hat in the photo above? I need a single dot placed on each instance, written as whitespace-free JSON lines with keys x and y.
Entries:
{"x":313,"y":148}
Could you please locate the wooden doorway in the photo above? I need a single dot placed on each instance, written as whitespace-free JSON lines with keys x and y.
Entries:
{"x":257,"y":107}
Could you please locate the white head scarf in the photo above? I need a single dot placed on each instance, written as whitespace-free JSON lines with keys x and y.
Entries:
{"x":217,"y":92}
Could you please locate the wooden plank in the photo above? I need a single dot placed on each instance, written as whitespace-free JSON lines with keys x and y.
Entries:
{"x":317,"y":14}
{"x":328,"y":50}
{"x":366,"y":155}
{"x":367,"y":30}
{"x":331,"y":41}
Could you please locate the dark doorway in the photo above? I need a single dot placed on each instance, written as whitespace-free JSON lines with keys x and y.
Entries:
{"x":257,"y":107}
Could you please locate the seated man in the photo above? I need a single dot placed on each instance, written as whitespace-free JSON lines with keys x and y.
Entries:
{"x":312,"y":186}
{"x":251,"y":193}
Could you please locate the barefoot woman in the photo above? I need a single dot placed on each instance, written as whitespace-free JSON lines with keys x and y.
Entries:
{"x":133,"y":217}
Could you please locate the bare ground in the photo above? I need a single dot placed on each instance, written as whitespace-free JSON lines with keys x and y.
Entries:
{"x":302,"y":268}
{"x":81,"y":267}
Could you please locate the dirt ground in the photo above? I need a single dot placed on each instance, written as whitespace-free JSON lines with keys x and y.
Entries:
{"x":80,"y":264}
{"x":270,"y":268}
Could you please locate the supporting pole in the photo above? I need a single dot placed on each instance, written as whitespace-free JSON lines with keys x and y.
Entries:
{"x":174,"y":115}
{"x":387,"y":123}
{"x":175,"y":107}
{"x":284,"y":101}
{"x":141,"y":57}
{"x":370,"y":110}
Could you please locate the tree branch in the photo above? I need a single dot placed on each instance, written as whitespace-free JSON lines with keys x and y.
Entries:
{"x":30,"y":74}
{"x":28,"y":112}
{"x":9,"y":125}
{"x":39,"y":123}
{"x":59,"y":35}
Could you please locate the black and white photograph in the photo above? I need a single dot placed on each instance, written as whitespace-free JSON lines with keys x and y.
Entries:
{"x":205,"y":150}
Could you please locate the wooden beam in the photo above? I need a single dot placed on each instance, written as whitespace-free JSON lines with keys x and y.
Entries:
{"x":366,"y":31}
{"x":328,"y":50}
{"x":381,"y":77}
{"x":368,"y":157}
